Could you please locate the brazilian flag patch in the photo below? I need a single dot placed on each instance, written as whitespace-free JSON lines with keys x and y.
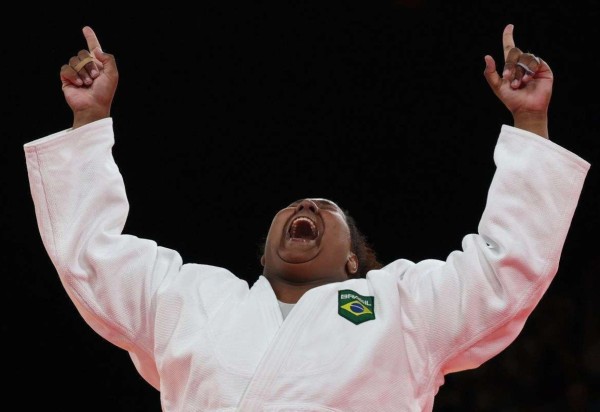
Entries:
{"x":354,"y":307}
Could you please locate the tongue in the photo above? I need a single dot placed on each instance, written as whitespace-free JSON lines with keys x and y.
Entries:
{"x":302,"y":230}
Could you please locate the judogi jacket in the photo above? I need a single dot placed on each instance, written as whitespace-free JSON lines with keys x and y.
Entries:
{"x":209,"y":341}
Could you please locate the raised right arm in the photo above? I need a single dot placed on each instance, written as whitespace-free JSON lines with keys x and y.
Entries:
{"x":81,"y":208}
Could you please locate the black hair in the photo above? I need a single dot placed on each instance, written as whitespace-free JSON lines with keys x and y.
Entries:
{"x":367,"y":258}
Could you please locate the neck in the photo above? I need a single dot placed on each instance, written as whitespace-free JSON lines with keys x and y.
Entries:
{"x":288,"y":291}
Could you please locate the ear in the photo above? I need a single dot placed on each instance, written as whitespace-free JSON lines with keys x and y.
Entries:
{"x":262,"y":260}
{"x":352,"y":264}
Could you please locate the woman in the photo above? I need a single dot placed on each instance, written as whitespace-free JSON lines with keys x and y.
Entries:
{"x":325,"y":327}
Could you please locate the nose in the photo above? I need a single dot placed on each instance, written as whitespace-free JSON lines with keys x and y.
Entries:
{"x":307,"y":205}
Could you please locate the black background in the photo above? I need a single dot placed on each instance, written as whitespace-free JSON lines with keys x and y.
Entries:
{"x":227,"y":112}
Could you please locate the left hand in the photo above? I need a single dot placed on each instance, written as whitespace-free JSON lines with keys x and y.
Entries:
{"x":525,"y":86}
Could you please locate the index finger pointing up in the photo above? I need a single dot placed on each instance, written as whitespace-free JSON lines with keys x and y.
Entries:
{"x":92,"y":40}
{"x":507,"y":39}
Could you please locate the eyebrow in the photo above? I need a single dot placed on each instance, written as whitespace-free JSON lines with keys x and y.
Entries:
{"x":319,"y":200}
{"x":327,"y":201}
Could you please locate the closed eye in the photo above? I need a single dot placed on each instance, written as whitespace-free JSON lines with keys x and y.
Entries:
{"x":322,"y":203}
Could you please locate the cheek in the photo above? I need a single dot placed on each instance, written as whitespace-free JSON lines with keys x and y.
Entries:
{"x":339,"y":238}
{"x":277,"y":226}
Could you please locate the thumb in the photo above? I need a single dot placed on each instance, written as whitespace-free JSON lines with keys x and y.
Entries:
{"x":490,"y":74}
{"x":107,"y":60}
{"x":99,"y":55}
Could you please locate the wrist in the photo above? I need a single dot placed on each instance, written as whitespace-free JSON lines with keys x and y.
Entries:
{"x":532,"y":122}
{"x":84,"y":117}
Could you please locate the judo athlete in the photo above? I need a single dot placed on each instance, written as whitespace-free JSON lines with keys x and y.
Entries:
{"x":325,"y":327}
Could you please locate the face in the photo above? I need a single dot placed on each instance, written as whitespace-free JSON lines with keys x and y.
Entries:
{"x":309,"y":241}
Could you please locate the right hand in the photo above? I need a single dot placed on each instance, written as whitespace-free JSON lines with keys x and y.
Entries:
{"x":90,"y":92}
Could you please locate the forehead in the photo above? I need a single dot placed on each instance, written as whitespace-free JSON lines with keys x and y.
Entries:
{"x":321,"y":202}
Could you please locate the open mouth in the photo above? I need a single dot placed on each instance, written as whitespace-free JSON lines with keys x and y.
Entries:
{"x":303,"y":228}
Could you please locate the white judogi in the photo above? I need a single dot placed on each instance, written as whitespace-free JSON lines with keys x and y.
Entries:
{"x":209,"y":342}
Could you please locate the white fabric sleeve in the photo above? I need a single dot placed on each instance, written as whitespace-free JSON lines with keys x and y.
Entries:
{"x":474,"y":304}
{"x":81,"y":208}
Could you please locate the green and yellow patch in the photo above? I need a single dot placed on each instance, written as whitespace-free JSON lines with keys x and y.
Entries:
{"x":354,"y":307}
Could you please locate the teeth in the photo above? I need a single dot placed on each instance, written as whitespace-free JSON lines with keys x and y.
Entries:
{"x":303,"y":228}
